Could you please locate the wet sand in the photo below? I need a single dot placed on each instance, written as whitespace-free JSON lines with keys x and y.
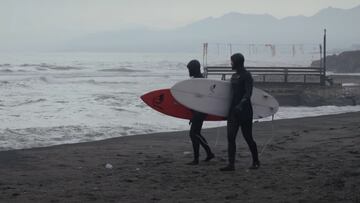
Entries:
{"x":306,"y":160}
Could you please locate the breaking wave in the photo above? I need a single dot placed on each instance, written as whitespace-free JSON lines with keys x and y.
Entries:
{"x":39,"y":137}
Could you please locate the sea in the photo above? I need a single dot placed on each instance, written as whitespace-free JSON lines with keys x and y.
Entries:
{"x":70,"y":97}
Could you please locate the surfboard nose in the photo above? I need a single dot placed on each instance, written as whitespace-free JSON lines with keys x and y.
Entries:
{"x":147,"y":98}
{"x":144,"y":97}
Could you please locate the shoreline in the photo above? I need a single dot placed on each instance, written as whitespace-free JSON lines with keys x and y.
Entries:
{"x":306,"y":159}
{"x":34,"y":137}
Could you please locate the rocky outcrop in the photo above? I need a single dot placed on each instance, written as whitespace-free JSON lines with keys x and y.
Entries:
{"x":346,"y":62}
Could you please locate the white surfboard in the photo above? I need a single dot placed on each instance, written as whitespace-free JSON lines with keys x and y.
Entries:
{"x":214,"y":97}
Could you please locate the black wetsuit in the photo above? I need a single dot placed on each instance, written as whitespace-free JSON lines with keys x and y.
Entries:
{"x":197,"y":120}
{"x":197,"y":139}
{"x":241,"y":114}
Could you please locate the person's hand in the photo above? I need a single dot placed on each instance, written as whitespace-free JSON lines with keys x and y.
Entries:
{"x":238,"y":108}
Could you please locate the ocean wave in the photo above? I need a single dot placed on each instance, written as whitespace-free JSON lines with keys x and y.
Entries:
{"x":127,"y":70}
{"x":117,"y":97}
{"x":62,"y":102}
{"x":128,"y":83}
{"x":106,"y":97}
{"x":85,"y":82}
{"x":41,"y":69}
{"x":42,"y":79}
{"x":109,"y":83}
{"x":28,"y":65}
{"x":4,"y":82}
{"x":25,"y":82}
{"x":64,"y":68}
{"x":123,"y":110}
{"x":5,"y":65}
{"x":115,"y":100}
{"x":113,"y":83}
{"x":45,"y":66}
{"x":13,"y":84}
{"x":94,"y":82}
{"x":29,"y":102}
{"x":6,"y":70}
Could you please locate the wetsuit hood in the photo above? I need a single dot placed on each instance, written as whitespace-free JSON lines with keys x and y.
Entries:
{"x":194,"y":68}
{"x":237,"y":62}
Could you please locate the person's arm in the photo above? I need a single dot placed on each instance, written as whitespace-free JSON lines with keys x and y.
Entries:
{"x":248,"y":92}
{"x":248,"y":88}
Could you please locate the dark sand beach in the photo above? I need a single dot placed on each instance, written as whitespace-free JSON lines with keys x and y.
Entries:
{"x":307,"y":160}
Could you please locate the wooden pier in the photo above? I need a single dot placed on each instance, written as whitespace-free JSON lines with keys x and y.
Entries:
{"x":273,"y":74}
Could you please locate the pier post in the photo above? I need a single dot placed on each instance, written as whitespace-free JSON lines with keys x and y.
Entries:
{"x":323,"y":75}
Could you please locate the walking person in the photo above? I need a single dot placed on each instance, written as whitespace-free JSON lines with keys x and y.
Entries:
{"x":197,"y":121}
{"x":240,"y":112}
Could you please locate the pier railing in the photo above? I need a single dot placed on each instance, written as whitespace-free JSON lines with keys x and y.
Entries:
{"x":303,"y":75}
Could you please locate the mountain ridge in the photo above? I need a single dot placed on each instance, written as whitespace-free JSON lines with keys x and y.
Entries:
{"x":234,"y":27}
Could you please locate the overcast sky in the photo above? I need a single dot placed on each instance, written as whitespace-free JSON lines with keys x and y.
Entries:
{"x":154,"y":13}
{"x":64,"y":18}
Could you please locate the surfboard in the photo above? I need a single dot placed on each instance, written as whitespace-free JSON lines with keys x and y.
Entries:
{"x":163,"y":101}
{"x":214,"y":97}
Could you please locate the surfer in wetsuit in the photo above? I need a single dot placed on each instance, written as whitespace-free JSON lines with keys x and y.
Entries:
{"x":240,"y":112}
{"x":197,"y":120}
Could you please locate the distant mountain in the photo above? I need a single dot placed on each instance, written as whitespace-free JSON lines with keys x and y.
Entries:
{"x":233,"y":28}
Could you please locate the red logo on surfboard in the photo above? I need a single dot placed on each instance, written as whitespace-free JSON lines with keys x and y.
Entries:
{"x":158,"y":100}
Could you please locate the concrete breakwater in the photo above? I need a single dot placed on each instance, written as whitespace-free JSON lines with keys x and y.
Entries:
{"x":315,"y":95}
